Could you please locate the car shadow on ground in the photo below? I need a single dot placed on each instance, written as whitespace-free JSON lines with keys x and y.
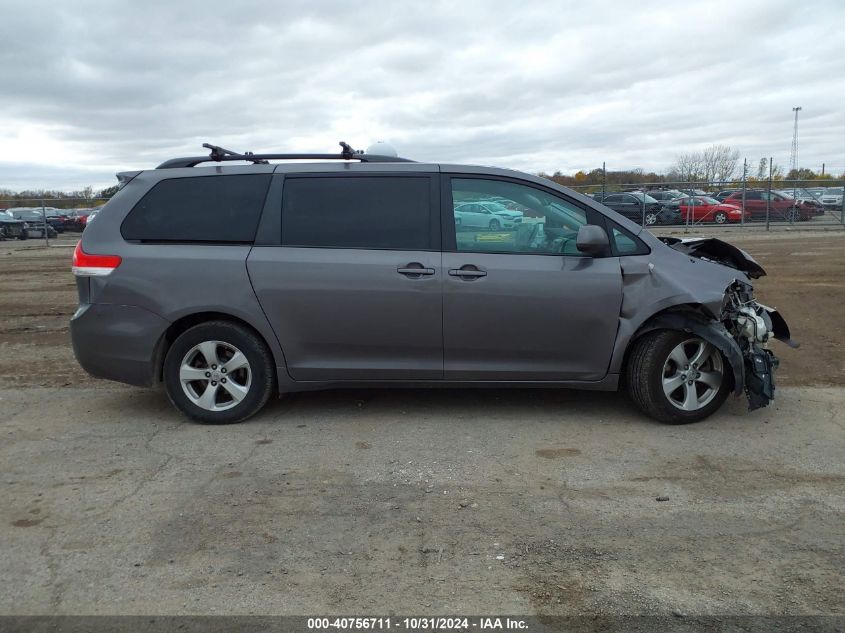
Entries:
{"x":412,"y":405}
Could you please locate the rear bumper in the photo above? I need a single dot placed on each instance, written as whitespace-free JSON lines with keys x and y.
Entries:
{"x":117,"y":342}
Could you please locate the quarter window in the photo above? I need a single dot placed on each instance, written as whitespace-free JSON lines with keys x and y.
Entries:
{"x":357,"y":212}
{"x":626,"y":244}
{"x":496,"y":216}
{"x":205,"y":209}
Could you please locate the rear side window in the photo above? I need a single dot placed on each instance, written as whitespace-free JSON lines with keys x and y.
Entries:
{"x":357,"y":212}
{"x":210,"y":209}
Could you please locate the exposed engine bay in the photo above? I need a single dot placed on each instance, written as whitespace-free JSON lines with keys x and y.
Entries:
{"x":744,"y":326}
{"x":752,"y":325}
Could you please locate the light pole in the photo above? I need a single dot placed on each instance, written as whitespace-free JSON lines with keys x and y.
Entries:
{"x":793,"y":162}
{"x":793,"y":155}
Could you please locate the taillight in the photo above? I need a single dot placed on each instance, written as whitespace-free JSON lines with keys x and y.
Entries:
{"x":86,"y":265}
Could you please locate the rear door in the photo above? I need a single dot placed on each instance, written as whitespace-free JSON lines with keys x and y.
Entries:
{"x":353,"y":289}
{"x":755,"y":203}
{"x":522,"y":303}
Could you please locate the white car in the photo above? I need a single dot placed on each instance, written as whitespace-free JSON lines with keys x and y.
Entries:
{"x":832,"y":198}
{"x":488,"y":215}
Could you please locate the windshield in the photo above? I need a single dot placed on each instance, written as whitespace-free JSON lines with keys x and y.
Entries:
{"x":707,"y":200}
{"x":648,"y":198}
{"x":30,"y":215}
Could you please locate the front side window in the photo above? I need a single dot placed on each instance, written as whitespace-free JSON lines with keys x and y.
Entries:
{"x":378,"y":212}
{"x":517,"y":219}
{"x":203,"y":209}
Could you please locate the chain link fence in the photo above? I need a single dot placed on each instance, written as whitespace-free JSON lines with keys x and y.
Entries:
{"x":745,"y":203}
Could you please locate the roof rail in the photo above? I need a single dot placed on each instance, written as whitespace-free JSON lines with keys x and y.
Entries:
{"x":220,"y":155}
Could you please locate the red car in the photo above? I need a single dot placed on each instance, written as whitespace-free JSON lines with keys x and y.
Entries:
{"x":704,"y":209}
{"x":780,"y":206}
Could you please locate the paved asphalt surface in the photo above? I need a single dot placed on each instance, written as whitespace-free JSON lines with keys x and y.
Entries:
{"x":419,"y":502}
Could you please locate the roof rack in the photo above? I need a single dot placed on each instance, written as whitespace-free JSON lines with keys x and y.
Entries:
{"x":220,"y":154}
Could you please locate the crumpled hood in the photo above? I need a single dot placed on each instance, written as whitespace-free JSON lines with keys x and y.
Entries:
{"x":716,"y":251}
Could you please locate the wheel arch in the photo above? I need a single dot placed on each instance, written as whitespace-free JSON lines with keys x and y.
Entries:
{"x":184,"y":323}
{"x":696,"y":319}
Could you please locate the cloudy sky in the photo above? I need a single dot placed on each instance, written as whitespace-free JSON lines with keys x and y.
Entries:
{"x":91,"y":88}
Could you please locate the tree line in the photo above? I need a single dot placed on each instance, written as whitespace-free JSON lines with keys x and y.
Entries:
{"x":715,"y":164}
{"x":85,"y":197}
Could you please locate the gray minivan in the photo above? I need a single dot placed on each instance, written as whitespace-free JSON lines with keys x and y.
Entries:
{"x":230,"y":283}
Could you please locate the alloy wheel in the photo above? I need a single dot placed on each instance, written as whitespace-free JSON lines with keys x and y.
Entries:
{"x":692,"y":374}
{"x":215,"y":375}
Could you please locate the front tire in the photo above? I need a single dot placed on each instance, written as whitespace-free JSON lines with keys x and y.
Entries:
{"x":219,"y":373}
{"x":721,"y":217}
{"x":676,"y":377}
{"x":495,"y":225}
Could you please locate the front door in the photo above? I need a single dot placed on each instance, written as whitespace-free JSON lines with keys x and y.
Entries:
{"x":522,"y":303}
{"x":353,"y":291}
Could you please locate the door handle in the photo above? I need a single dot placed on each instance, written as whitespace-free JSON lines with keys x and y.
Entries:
{"x":414,"y":270}
{"x":467,"y":273}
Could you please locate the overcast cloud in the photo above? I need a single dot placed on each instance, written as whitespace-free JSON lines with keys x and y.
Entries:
{"x":91,"y":88}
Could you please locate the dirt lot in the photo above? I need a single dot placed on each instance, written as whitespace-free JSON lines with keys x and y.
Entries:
{"x":421,"y":501}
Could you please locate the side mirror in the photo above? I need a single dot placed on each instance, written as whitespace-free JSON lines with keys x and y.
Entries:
{"x":592,"y":240}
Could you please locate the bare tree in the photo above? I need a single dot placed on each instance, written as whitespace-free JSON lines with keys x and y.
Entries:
{"x":716,"y":163}
{"x":688,"y":167}
{"x":720,"y":162}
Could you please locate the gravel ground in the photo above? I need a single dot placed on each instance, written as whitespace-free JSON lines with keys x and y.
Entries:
{"x":428,"y":502}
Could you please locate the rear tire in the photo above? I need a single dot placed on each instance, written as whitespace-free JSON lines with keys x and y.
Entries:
{"x":652,"y":364}
{"x":197,"y":362}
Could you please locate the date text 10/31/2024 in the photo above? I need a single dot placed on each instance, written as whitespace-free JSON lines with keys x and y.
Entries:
{"x":416,"y":624}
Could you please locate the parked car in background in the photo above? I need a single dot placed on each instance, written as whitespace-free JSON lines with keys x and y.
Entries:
{"x":34,"y":223}
{"x":805,"y":197}
{"x":704,"y":209}
{"x":55,"y":217}
{"x":11,"y":228}
{"x":721,"y":195}
{"x":642,"y":210}
{"x":490,"y":215}
{"x":832,"y":198}
{"x":779,"y":206}
{"x":665,"y":195}
{"x":77,"y":218}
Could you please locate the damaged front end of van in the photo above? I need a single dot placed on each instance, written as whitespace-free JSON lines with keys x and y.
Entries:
{"x":744,"y":327}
